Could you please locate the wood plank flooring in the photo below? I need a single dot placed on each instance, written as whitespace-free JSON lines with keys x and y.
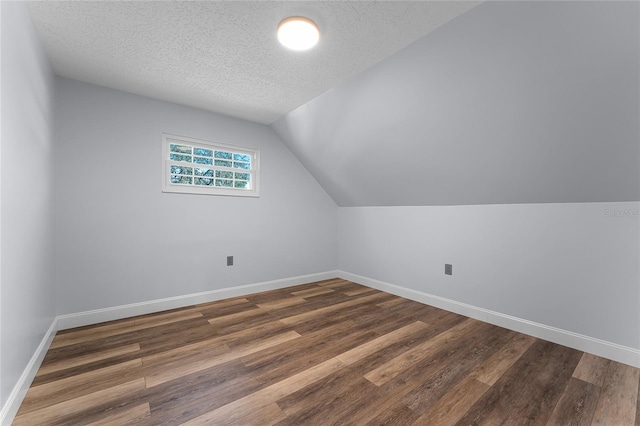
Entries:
{"x":326,"y":353}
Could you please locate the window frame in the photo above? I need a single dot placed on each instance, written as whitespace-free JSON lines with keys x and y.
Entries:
{"x":167,"y":186}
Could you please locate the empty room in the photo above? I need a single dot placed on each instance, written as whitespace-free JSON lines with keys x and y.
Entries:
{"x":320,"y":213}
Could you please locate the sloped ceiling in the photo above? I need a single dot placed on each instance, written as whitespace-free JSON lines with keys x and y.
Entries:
{"x":223,"y":56}
{"x":512,"y":102}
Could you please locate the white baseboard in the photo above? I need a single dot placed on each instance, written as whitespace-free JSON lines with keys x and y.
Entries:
{"x":613,"y":351}
{"x":125,"y":311}
{"x":10,"y":408}
{"x":588,"y":344}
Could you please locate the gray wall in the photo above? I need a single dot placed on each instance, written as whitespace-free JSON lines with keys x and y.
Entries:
{"x":512,"y":102}
{"x":489,"y":140}
{"x":120,"y":240}
{"x":574,"y":266}
{"x":27,"y":306}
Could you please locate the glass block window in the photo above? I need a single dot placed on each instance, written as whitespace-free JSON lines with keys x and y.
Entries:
{"x":195,"y":166}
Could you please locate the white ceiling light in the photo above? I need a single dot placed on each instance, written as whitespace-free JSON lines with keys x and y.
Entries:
{"x":298,"y":33}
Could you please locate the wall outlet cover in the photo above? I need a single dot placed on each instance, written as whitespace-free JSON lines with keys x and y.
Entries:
{"x":448,"y":269}
{"x":229,"y":260}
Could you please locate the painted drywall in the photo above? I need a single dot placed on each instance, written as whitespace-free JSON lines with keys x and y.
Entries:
{"x":511,"y":102}
{"x":26,"y":196}
{"x":120,"y":240}
{"x":574,"y":266}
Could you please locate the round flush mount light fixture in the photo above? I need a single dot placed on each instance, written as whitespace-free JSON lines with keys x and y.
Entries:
{"x":298,"y":33}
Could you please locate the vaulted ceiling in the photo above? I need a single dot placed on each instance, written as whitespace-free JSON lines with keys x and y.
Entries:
{"x":223,"y":56}
{"x":512,"y":102}
{"x":401,"y":103}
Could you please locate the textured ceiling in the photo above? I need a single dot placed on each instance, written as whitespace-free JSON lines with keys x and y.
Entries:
{"x":513,"y":102}
{"x":223,"y":56}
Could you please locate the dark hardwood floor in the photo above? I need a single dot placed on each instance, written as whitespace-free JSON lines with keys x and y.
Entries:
{"x":326,"y":353}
